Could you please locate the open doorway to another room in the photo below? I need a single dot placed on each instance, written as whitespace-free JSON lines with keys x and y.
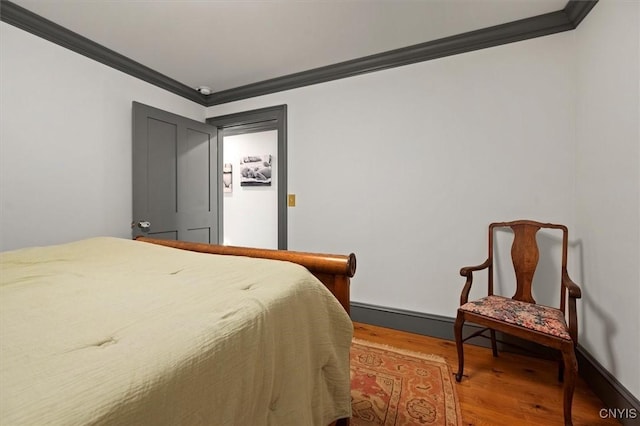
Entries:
{"x":252,"y":155}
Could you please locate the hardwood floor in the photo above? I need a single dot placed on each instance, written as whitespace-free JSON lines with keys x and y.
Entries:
{"x":508,"y":390}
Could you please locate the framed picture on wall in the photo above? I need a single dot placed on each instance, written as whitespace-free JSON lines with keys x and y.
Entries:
{"x":255,"y":170}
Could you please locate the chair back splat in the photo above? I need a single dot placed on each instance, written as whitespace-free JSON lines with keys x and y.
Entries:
{"x":525,"y":256}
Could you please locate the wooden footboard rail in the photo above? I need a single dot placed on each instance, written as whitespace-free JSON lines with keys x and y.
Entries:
{"x":333,"y":270}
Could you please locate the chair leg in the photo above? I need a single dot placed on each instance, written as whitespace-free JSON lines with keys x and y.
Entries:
{"x":570,"y":373}
{"x":457,"y":329}
{"x":560,"y":370}
{"x":494,"y":345}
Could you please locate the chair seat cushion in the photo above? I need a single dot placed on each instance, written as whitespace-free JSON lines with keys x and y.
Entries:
{"x":528,"y":315}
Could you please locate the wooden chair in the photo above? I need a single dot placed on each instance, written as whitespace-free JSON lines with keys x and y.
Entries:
{"x":520,"y":315}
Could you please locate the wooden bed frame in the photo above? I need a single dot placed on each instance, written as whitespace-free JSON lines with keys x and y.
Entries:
{"x":334,"y":271}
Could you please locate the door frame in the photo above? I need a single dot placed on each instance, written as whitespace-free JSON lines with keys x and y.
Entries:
{"x":258,"y":120}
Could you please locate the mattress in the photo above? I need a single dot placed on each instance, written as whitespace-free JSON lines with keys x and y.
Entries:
{"x":113,"y":331}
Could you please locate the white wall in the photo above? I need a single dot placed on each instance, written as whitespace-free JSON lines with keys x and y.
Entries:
{"x":65,"y":142}
{"x":608,"y":185}
{"x":406,"y":167}
{"x":251,"y":212}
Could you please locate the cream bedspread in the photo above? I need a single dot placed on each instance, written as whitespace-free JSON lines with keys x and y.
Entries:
{"x":112,"y":331}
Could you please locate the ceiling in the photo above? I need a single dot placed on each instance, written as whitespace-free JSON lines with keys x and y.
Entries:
{"x":225,"y":44}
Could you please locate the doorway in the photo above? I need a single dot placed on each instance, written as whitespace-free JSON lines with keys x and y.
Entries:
{"x":252,"y":145}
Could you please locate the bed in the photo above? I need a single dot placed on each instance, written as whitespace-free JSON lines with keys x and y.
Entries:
{"x":152,"y":332}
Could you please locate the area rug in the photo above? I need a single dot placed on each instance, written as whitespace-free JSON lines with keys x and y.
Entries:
{"x":394,"y":387}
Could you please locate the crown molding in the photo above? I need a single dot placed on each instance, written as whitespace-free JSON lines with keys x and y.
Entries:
{"x":488,"y":37}
{"x":537,"y":26}
{"x":549,"y":23}
{"x":35,"y":24}
{"x":577,"y":10}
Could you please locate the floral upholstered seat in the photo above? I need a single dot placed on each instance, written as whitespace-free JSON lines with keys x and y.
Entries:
{"x":528,"y":315}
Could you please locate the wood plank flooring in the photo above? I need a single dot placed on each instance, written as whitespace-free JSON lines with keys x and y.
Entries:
{"x":508,"y":390}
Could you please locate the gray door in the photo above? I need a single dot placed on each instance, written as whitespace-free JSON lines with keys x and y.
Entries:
{"x":175,"y":177}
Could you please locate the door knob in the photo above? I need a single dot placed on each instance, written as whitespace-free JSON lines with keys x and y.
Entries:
{"x":144,"y":225}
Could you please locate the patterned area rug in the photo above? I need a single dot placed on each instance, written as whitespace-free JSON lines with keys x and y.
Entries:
{"x":393,"y":387}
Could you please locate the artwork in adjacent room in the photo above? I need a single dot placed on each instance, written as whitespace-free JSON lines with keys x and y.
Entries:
{"x":227,"y":177}
{"x":255,"y":170}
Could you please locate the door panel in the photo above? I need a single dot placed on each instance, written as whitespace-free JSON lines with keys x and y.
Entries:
{"x":195,"y":172}
{"x":163,"y":235}
{"x":175,"y":177}
{"x":202,"y":235}
{"x":161,"y":166}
